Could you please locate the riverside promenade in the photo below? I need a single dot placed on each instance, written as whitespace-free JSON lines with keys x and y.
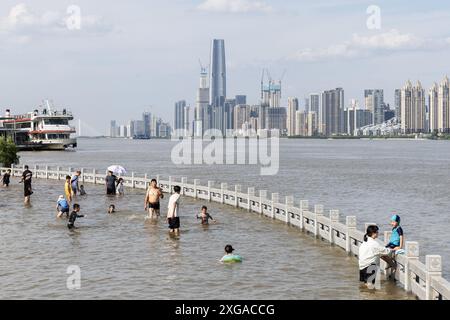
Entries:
{"x":424,"y":280}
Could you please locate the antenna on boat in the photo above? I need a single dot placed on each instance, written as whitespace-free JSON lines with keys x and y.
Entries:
{"x":47,"y":104}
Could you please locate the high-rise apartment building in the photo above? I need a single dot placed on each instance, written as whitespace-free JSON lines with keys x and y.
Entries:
{"x":413,"y":109}
{"x":374,"y":101}
{"x":331,"y":112}
{"x":179,"y":121}
{"x":444,"y":106}
{"x":201,"y":116}
{"x":292,"y":109}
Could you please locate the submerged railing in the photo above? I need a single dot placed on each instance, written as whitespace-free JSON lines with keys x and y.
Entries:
{"x":422,"y":279}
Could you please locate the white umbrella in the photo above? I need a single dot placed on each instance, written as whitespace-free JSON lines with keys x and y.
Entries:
{"x":117,"y":169}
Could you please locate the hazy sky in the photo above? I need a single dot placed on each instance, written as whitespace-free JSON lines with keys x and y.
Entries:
{"x":131,"y":56}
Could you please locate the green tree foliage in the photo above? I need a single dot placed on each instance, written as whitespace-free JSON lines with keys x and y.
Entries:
{"x":8,"y":152}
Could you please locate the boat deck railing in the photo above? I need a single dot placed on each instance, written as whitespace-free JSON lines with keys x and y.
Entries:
{"x":423,"y":279}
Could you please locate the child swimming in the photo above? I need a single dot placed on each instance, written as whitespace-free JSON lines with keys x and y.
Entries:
{"x":112,"y":209}
{"x":82,"y":191}
{"x":205,"y":216}
{"x":230,"y":256}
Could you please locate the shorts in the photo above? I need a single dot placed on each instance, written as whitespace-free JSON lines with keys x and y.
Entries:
{"x":174,"y":223}
{"x":154,"y":206}
{"x":364,"y":274}
{"x":111,"y":191}
{"x":392,"y":245}
{"x":27,"y":191}
{"x":64,"y":210}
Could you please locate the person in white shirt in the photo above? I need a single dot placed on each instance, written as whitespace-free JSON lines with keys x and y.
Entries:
{"x":369,"y":255}
{"x":172,"y":213}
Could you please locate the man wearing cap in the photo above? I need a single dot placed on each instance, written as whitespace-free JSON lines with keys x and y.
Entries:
{"x":397,"y":239}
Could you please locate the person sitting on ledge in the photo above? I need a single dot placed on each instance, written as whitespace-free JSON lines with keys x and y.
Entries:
{"x":369,"y":256}
{"x":397,"y":238}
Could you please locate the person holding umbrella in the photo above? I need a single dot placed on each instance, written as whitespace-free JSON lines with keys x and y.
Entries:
{"x":111,"y":179}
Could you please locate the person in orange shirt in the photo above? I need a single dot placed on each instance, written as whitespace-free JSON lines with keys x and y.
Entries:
{"x":68,"y":189}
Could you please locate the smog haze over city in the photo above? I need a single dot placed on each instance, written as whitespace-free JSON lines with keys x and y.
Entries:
{"x":133,"y":56}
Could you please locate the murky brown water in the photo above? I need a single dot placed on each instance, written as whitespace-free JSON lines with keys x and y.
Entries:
{"x":124,"y":256}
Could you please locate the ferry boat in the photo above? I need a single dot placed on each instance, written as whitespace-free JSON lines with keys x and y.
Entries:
{"x":45,"y":129}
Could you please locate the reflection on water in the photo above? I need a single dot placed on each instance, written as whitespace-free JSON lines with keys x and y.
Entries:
{"x":124,"y":255}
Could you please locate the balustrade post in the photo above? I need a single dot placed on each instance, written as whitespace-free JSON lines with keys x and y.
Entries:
{"x":351,"y":227}
{"x":433,"y":264}
{"x":250,"y":194}
{"x":318,"y":212}
{"x":275,"y":200}
{"x":183,"y":185}
{"x":237,"y":189}
{"x":334,"y":218}
{"x":262,"y":200}
{"x":289,"y":205}
{"x":304,"y":206}
{"x":412,"y":254}
{"x":210,"y":185}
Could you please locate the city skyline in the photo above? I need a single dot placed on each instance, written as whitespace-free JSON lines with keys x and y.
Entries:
{"x":89,"y":76}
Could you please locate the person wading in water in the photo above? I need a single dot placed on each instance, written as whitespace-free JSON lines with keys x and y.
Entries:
{"x":151,"y":202}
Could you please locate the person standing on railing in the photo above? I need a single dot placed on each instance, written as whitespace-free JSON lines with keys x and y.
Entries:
{"x":27,"y":175}
{"x":369,"y":256}
{"x":110,"y":183}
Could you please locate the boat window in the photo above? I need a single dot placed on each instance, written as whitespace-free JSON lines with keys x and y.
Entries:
{"x":56,"y":121}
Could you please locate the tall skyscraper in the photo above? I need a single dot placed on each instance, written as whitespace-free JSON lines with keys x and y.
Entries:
{"x":276,"y":119}
{"x":413,"y":108}
{"x":228,"y":114}
{"x":356,"y":118}
{"x":186,"y":118}
{"x":301,"y":127}
{"x":147,"y":118}
{"x":433,"y":107}
{"x":312,"y":123}
{"x":331,"y":112}
{"x":112,"y":129}
{"x":314,"y":102}
{"x":444,"y":106}
{"x":179,"y":121}
{"x":292,"y":109}
{"x":397,"y":102}
{"x":374,"y":100}
{"x":202,"y":104}
{"x":218,"y":75}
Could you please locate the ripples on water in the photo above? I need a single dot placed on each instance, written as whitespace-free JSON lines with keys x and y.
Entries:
{"x":125,"y":256}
